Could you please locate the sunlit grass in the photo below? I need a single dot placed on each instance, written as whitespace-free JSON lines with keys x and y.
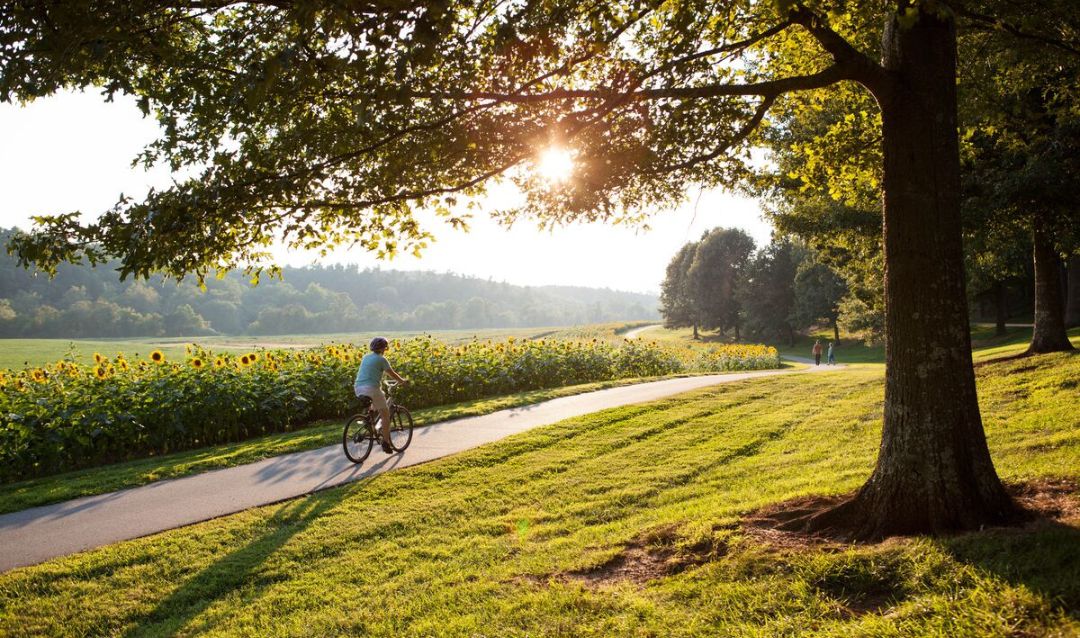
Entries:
{"x":985,"y":344}
{"x":481,"y":543}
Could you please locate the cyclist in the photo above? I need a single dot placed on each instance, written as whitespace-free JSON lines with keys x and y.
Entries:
{"x":368,"y":383}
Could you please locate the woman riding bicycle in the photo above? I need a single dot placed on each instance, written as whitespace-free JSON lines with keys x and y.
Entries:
{"x":369,"y":383}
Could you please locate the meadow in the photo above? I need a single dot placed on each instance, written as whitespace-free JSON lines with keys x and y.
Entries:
{"x":636,"y":521}
{"x":984,"y":343}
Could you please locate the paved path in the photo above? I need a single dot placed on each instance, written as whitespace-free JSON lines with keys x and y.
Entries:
{"x":636,"y":332}
{"x":38,"y":534}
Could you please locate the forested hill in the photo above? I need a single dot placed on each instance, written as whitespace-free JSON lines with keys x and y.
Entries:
{"x":91,"y":302}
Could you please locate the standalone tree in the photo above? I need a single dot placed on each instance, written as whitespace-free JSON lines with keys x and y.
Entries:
{"x":676,"y":298}
{"x":714,"y":276}
{"x":766,"y":293}
{"x":818,"y":291}
{"x":330,"y":123}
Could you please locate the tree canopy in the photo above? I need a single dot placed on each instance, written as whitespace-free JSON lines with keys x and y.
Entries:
{"x":322,"y":123}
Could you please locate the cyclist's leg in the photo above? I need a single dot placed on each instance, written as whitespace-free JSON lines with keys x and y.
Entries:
{"x":378,"y":404}
{"x":378,"y":401}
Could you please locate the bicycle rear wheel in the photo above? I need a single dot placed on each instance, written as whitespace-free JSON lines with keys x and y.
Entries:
{"x":401,"y":425}
{"x":357,"y":439}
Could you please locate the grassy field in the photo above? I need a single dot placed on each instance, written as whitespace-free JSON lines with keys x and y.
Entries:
{"x":20,"y":353}
{"x":624,"y":522}
{"x":985,"y":344}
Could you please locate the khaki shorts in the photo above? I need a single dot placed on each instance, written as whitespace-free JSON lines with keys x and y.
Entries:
{"x":378,"y":399}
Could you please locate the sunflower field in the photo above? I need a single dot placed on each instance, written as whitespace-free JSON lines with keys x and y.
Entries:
{"x":67,"y":415}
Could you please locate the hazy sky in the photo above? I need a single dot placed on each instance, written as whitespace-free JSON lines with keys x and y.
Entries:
{"x":73,"y":152}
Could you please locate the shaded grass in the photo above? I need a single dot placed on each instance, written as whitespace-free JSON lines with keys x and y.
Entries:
{"x":474,"y":545}
{"x":101,"y":480}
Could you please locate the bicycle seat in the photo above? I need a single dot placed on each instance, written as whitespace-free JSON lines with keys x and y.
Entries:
{"x":365,"y":402}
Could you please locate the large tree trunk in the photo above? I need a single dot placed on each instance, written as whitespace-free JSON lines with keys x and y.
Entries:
{"x":835,"y":331}
{"x":1072,"y":307}
{"x":933,"y":471}
{"x":1049,"y":334}
{"x":1001,"y":308}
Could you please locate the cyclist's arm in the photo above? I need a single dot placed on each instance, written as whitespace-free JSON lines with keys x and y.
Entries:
{"x":394,"y":375}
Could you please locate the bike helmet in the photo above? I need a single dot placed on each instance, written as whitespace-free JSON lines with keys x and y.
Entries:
{"x":378,"y":343}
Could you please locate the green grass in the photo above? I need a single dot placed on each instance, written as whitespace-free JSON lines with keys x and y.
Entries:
{"x":100,"y":480}
{"x":484,"y":543}
{"x":985,"y":344}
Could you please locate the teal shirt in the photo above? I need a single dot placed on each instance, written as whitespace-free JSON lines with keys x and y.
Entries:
{"x":372,"y":367}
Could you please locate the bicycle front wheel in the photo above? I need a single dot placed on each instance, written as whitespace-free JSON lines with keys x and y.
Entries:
{"x":401,"y":425}
{"x":357,"y":439}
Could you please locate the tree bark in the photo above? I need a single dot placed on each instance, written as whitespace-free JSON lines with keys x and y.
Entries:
{"x":695,"y":332}
{"x":1049,"y":334}
{"x":933,"y":473}
{"x":835,"y":331}
{"x":1001,"y":309}
{"x":1072,"y":306}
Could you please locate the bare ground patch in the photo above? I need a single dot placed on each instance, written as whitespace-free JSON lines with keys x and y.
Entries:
{"x":650,"y":556}
{"x":1044,"y":500}
{"x":1057,"y":499}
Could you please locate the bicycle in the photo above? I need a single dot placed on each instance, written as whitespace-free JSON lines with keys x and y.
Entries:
{"x":360,"y":436}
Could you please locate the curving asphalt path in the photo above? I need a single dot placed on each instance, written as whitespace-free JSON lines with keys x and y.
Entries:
{"x":636,"y":332}
{"x":41,"y":533}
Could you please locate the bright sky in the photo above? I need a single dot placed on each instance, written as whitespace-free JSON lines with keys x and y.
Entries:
{"x":73,"y":152}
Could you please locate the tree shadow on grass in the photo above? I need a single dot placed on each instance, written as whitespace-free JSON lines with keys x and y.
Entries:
{"x":238,"y":568}
{"x":1043,"y":556}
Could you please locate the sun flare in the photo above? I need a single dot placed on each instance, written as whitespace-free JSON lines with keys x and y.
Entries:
{"x":555,"y":165}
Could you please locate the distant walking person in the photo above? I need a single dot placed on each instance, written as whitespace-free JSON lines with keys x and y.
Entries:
{"x":832,"y":357}
{"x":817,"y":352}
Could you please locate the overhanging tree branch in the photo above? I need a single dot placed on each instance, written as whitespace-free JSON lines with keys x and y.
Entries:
{"x":772,"y":88}
{"x":740,"y":136}
{"x":990,"y":23}
{"x":864,"y":70}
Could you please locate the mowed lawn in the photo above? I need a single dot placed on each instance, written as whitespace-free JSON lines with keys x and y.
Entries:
{"x":506,"y":540}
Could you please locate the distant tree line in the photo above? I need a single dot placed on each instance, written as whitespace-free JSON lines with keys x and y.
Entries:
{"x":85,"y":302}
{"x":724,"y":282}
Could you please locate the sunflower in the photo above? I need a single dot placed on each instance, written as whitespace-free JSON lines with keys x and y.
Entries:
{"x":219,"y":363}
{"x":245,"y":360}
{"x":122,"y":363}
{"x":38,"y":375}
{"x":100,"y":372}
{"x":98,"y":358}
{"x":157,"y":356}
{"x":252,"y":357}
{"x":196,"y":363}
